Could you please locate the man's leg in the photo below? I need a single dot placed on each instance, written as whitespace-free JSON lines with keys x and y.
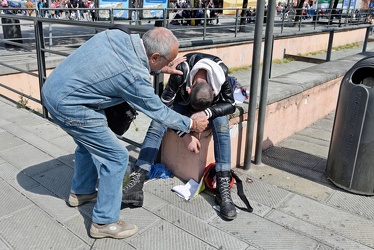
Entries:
{"x":83,"y":188}
{"x":222,"y":154}
{"x":133,"y":191}
{"x":99,"y":153}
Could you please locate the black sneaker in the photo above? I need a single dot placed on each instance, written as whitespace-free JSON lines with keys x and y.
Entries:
{"x":132,"y":193}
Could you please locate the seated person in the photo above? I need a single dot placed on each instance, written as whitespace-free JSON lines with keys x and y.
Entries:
{"x":202,"y":90}
{"x":178,"y":16}
{"x":213,"y":14}
{"x":198,"y":14}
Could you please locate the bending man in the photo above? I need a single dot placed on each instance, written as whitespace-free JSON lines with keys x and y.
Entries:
{"x":76,"y":98}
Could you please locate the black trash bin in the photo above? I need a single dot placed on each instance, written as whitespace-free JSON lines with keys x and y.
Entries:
{"x":11,"y":31}
{"x":350,"y":163}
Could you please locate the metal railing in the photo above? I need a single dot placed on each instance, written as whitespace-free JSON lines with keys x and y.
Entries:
{"x":50,"y":38}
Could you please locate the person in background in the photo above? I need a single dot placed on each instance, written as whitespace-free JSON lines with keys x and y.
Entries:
{"x":93,"y":13}
{"x":41,"y":5}
{"x":29,"y":5}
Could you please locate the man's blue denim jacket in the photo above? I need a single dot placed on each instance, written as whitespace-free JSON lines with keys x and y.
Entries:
{"x":108,"y":69}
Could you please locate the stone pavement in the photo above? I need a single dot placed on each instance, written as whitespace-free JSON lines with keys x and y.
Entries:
{"x":295,"y":206}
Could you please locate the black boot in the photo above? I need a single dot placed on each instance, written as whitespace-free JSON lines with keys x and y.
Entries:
{"x":132,"y":193}
{"x":223,"y":197}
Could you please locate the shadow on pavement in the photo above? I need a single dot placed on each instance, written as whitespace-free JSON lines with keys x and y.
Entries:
{"x":298,"y":163}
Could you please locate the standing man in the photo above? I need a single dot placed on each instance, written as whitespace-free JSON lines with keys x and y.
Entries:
{"x":76,"y":99}
{"x":203,"y":91}
{"x":30,"y":7}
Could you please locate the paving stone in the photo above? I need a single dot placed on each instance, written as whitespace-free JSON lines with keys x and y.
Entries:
{"x":51,"y":204}
{"x":338,"y":221}
{"x":358,"y":204}
{"x":46,"y":130}
{"x":31,"y":228}
{"x":26,"y":120}
{"x":198,"y":206}
{"x":25,"y":156}
{"x":200,"y":229}
{"x":328,"y":238}
{"x":57,"y":180}
{"x":319,"y":134}
{"x":262,"y":192}
{"x":16,"y":178}
{"x":14,"y":200}
{"x":290,"y":182}
{"x":40,"y":143}
{"x":167,"y":236}
{"x":80,"y":226}
{"x":114,"y":244}
{"x":305,"y":146}
{"x":9,"y":141}
{"x":264,"y":234}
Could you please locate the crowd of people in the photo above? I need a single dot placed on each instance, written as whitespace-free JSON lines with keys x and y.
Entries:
{"x":68,"y":9}
{"x":185,"y":14}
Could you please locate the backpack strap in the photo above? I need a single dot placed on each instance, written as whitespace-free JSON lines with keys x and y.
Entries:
{"x":120,"y":27}
{"x":239,"y":185}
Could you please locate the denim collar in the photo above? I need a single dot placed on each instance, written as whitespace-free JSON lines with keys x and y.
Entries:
{"x":139,"y":49}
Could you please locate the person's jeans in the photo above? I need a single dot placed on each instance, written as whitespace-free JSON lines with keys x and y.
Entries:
{"x":98,"y":153}
{"x":221,"y":137}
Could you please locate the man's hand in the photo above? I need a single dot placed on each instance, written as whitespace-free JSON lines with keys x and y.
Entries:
{"x":192,"y":143}
{"x":199,"y":123}
{"x":171,"y":67}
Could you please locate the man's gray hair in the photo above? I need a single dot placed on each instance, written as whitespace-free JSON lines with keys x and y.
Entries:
{"x":159,"y":40}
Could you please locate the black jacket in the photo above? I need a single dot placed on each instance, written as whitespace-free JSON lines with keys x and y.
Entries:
{"x":175,"y":90}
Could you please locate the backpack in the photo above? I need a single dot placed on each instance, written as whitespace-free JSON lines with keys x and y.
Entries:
{"x":119,"y":117}
{"x":210,"y":183}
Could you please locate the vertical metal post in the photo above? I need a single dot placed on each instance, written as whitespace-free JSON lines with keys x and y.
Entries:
{"x":50,"y":36}
{"x":329,"y":47}
{"x":164,"y":11}
{"x":236,"y":22}
{"x":204,"y":30}
{"x":366,"y":39}
{"x":40,"y":55}
{"x":158,"y":81}
{"x":257,"y":43}
{"x":268,"y":51}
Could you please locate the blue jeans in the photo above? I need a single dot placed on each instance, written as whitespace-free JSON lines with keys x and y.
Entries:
{"x":221,"y":137}
{"x":98,"y":153}
{"x":76,"y":96}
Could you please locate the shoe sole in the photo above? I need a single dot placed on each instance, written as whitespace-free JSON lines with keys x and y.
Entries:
{"x":228,"y":217}
{"x":129,"y":233}
{"x":133,"y":203}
